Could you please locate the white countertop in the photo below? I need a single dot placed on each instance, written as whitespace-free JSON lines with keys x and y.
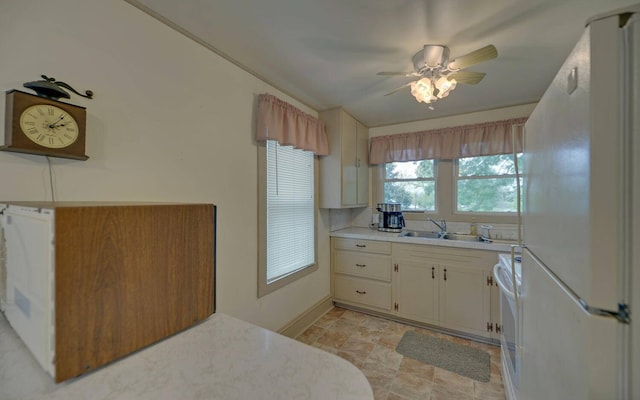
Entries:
{"x":220,"y":358}
{"x":373,"y":234}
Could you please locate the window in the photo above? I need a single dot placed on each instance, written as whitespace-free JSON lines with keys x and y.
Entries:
{"x":487,"y":184}
{"x":411,"y":184}
{"x":287,"y":244}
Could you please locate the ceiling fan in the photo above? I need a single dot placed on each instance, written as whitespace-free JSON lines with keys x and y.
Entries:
{"x":439,"y":76}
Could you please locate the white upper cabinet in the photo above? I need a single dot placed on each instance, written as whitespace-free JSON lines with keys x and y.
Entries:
{"x":344,"y":174}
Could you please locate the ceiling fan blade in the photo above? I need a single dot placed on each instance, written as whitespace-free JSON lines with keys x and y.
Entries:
{"x":475,"y":57}
{"x":384,"y":73}
{"x":398,"y":89}
{"x":467,"y":77}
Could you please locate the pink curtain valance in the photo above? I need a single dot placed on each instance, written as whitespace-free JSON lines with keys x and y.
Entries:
{"x":290,"y":126}
{"x":484,"y":139}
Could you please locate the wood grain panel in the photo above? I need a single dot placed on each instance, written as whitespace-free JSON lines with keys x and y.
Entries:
{"x":128,"y":276}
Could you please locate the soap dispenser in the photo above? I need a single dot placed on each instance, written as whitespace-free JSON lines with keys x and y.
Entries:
{"x":473,"y":229}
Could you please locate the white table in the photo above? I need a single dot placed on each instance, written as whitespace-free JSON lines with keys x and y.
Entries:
{"x":220,"y":358}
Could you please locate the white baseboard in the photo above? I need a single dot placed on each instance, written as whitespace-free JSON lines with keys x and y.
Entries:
{"x":307,"y":318}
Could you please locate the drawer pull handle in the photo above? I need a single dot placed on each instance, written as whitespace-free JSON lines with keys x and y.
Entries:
{"x":361,"y":265}
{"x":433,"y":272}
{"x":359,"y":292}
{"x":445,"y":274}
{"x":361,"y":245}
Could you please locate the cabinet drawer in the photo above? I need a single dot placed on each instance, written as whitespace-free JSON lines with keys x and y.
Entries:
{"x":364,"y":291}
{"x":369,"y":246}
{"x":446,"y":255}
{"x":374,"y":266}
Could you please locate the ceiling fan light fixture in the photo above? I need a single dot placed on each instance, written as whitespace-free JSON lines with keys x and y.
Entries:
{"x":430,"y":89}
{"x":422,"y":90}
{"x":445,"y":86}
{"x":439,"y":75}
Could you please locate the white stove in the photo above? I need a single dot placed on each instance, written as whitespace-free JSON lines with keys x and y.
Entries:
{"x":510,"y":311}
{"x":505,"y":262}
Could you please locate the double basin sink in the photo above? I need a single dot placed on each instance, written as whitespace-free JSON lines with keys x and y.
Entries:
{"x":438,"y":235}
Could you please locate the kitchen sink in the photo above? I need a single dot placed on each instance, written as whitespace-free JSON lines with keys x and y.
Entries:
{"x":463,"y":237}
{"x":437,"y":235}
{"x":421,"y":234}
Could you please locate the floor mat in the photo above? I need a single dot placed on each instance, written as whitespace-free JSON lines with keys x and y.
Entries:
{"x":463,"y":360}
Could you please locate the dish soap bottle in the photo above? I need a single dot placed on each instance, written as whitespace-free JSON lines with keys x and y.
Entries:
{"x":473,"y":229}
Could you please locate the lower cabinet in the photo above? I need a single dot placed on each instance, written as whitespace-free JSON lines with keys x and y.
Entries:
{"x":364,"y":291}
{"x":415,"y":285}
{"x":465,"y":298}
{"x":446,"y":287}
{"x":362,"y":272}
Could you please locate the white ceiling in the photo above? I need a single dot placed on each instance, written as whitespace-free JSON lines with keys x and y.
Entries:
{"x":326,"y":53}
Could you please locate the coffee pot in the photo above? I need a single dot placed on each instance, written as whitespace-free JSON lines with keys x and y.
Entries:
{"x":390,"y":218}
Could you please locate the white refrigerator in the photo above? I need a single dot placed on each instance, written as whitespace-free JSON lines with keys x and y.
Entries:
{"x":579,"y":338}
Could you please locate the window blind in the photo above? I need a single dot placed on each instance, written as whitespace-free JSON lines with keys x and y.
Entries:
{"x":290,"y":210}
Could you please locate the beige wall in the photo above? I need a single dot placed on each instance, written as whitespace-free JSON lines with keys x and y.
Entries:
{"x":456,"y":120}
{"x":170,"y":121}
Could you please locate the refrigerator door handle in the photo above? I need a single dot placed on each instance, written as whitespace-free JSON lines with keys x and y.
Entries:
{"x":622,"y":315}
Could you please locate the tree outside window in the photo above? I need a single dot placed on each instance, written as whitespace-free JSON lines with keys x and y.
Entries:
{"x":487,"y":184}
{"x":411,"y":184}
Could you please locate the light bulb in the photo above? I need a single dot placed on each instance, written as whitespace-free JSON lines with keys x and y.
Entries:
{"x":445,"y":86}
{"x":422,"y":90}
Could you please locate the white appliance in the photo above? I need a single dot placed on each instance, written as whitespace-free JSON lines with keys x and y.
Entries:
{"x":581,"y":261}
{"x":507,"y":274}
{"x":27,"y":284}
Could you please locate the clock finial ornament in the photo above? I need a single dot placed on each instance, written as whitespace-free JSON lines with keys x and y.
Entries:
{"x":52,"y":89}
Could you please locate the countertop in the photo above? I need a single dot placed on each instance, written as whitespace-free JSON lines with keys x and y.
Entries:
{"x":373,"y":234}
{"x":220,"y":358}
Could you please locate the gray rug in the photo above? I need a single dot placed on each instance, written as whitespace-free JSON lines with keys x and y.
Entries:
{"x":463,"y":360}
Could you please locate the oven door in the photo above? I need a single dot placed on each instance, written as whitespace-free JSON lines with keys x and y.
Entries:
{"x":509,"y":332}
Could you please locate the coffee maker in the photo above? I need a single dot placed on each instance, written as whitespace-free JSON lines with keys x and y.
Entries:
{"x":390,"y":217}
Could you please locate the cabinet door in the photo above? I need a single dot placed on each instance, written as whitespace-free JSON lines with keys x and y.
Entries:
{"x":349,"y":159}
{"x":362,"y":163}
{"x":344,"y":173}
{"x":416,"y":290}
{"x":464,"y":299}
{"x":495,"y":306}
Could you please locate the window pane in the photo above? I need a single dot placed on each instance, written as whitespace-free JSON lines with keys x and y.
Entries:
{"x":487,"y":195}
{"x":411,"y":184}
{"x":290,"y":210}
{"x":413,"y":195}
{"x":488,"y":165}
{"x":410,"y":170}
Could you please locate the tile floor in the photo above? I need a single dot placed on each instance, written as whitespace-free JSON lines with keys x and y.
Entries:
{"x":369,"y":343}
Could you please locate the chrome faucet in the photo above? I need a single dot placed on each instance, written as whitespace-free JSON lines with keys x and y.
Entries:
{"x":442,"y":225}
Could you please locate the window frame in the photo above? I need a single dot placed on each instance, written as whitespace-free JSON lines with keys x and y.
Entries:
{"x":445,"y":198}
{"x":457,"y":178}
{"x":434,"y":180}
{"x":264,"y":286}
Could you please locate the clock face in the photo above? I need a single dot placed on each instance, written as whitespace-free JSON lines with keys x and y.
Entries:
{"x":49,"y":126}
